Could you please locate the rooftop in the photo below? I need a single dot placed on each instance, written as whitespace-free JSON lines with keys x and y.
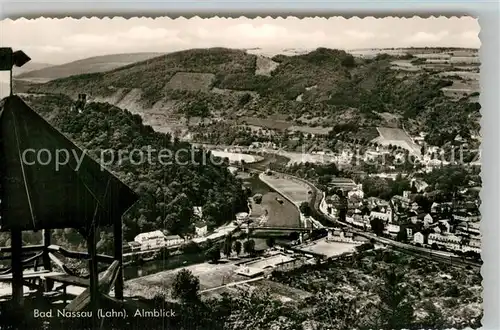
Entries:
{"x":151,"y":234}
{"x":169,"y":237}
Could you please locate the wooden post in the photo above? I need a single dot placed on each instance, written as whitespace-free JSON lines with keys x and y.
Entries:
{"x":16,"y":241}
{"x":46,"y":243}
{"x":93,"y":279}
{"x":118,"y":252}
{"x":48,"y":283}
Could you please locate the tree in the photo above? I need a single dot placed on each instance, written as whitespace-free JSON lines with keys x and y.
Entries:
{"x":228,"y":246}
{"x":324,"y":179}
{"x":213,"y":254}
{"x":377,"y":226}
{"x":249,"y":246}
{"x":402,"y":235}
{"x":270,"y":241}
{"x":244,"y":99}
{"x":305,"y":209}
{"x":434,"y":318}
{"x":191,"y":248}
{"x":257,"y":198}
{"x":237,"y":247}
{"x":396,"y":311}
{"x":348,"y":61}
{"x":424,"y":202}
{"x":186,"y":286}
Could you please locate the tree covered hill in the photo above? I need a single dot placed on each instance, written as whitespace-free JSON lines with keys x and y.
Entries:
{"x":167,"y":192}
{"x":329,"y":85}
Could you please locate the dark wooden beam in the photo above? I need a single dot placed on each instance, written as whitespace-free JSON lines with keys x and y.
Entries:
{"x":106,"y":280}
{"x":31,"y":285}
{"x":80,"y":255}
{"x":46,"y":244}
{"x":118,"y":254}
{"x":60,"y":264}
{"x":16,"y":240}
{"x":48,"y":283}
{"x":94,"y":280}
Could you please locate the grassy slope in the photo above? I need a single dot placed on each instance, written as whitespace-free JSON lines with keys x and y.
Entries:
{"x":30,"y":66}
{"x":87,"y":65}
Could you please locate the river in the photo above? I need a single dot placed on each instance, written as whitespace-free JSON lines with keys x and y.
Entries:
{"x":278,"y":212}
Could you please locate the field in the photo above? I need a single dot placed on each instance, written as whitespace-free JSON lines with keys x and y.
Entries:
{"x":329,"y":249}
{"x":295,"y":190}
{"x":88,"y":65}
{"x":462,"y":88}
{"x":312,"y":130}
{"x":191,"y":81}
{"x":264,"y":66}
{"x":267,"y":123}
{"x":210,"y":276}
{"x":269,"y":262}
{"x":236,"y":157}
{"x":463,"y":74}
{"x":398,"y":137}
{"x":282,"y":292}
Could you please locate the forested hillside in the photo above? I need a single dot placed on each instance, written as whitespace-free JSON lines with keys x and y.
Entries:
{"x":167,"y":192}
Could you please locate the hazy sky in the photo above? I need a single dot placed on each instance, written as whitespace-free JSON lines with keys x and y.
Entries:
{"x":64,"y":40}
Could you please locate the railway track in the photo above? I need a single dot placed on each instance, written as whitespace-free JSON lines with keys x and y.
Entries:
{"x":326,"y":219}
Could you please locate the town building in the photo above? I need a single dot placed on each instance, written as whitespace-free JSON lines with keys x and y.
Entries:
{"x":173,"y":240}
{"x":242,"y":217}
{"x":343,"y":184}
{"x":373,"y":202}
{"x":131,"y":247}
{"x":419,"y":238}
{"x":472,"y":245}
{"x":435,"y":207}
{"x":445,"y":226}
{"x":385,"y":214}
{"x":467,"y":216}
{"x":151,"y":240}
{"x":470,"y":228}
{"x":356,"y":192}
{"x":419,"y":185}
{"x":428,"y":220}
{"x":404,"y":201}
{"x":201,"y":228}
{"x":416,"y":217}
{"x":450,"y":241}
{"x":340,"y":235}
{"x":392,"y":229}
